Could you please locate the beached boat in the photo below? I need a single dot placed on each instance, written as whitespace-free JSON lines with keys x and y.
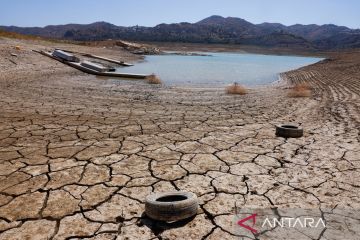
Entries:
{"x":108,"y":74}
{"x":94,"y":66}
{"x":108,"y":60}
{"x":65,"y":56}
{"x":122,"y":63}
{"x":85,"y":68}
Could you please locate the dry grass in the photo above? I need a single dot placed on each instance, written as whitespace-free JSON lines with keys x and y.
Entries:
{"x":153,"y":79}
{"x":7,"y":34}
{"x":300,"y":90}
{"x":236,"y":89}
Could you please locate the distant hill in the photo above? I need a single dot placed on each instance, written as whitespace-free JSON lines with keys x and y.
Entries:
{"x":214,"y":29}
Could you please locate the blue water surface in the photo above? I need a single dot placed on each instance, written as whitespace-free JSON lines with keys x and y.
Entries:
{"x":219,"y":69}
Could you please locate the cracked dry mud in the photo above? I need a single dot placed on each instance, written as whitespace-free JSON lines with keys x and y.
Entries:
{"x":78,"y":154}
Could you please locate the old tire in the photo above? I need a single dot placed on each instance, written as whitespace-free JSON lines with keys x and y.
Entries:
{"x":289,"y":131}
{"x":171,"y":206}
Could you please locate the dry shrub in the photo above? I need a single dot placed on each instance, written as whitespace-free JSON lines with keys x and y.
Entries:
{"x":153,"y":79}
{"x":236,"y":89}
{"x":300,"y":90}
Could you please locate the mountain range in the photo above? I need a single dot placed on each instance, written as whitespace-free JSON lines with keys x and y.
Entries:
{"x":214,"y":29}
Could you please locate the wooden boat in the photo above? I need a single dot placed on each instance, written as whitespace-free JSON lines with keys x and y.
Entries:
{"x":94,"y":66}
{"x":65,"y":55}
{"x":79,"y":66}
{"x":122,"y":63}
{"x":108,"y":60}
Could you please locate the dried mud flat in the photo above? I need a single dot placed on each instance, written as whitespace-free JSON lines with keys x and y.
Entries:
{"x":78,"y":154}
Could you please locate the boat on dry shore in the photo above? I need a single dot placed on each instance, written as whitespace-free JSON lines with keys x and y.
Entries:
{"x":122,"y":63}
{"x":125,"y":64}
{"x":89,"y":67}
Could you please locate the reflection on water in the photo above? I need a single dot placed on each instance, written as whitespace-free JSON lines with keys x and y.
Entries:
{"x":219,"y":69}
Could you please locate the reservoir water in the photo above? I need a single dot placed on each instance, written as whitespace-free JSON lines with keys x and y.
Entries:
{"x":219,"y":69}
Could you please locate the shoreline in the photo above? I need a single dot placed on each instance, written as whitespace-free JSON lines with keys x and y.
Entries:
{"x":165,"y":46}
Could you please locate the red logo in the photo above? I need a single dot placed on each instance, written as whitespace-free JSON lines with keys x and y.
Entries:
{"x":241,"y":223}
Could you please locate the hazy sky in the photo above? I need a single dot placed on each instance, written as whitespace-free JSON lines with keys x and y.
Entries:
{"x":153,"y":12}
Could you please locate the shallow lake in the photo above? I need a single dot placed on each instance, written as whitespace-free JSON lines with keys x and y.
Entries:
{"x":219,"y":69}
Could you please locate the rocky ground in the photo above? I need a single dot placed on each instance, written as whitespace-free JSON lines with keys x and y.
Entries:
{"x":79,"y":153}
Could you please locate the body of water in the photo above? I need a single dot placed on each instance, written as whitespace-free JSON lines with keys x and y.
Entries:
{"x":219,"y":69}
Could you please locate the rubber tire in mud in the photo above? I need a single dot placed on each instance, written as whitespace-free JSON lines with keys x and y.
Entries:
{"x":289,"y":131}
{"x":171,"y":206}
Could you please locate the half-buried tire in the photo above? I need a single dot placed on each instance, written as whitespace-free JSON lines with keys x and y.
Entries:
{"x":171,"y":206}
{"x":289,"y":131}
